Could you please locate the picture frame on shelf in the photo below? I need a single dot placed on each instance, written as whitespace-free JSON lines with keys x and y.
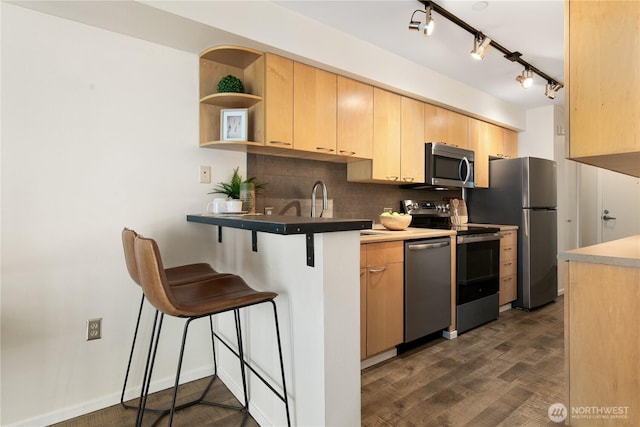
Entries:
{"x":233,"y":124}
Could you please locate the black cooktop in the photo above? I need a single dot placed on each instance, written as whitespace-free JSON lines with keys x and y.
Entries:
{"x":430,"y":214}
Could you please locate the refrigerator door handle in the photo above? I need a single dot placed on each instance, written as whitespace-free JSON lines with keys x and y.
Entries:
{"x":525,"y":222}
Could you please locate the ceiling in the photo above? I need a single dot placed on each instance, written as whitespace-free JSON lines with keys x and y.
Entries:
{"x":534,"y":28}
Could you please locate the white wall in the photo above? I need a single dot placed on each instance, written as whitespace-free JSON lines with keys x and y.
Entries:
{"x":99,"y":131}
{"x":537,"y":139}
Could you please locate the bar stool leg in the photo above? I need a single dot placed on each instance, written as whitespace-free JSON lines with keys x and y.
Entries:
{"x":148,"y":371}
{"x":133,"y":345}
{"x":284,"y":385}
{"x":236,"y":313}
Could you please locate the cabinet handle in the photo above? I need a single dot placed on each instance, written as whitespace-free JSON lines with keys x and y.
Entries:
{"x":392,"y":178}
{"x":325,"y":149}
{"x":506,"y":264}
{"x":347,"y":153}
{"x":408,"y":178}
{"x":362,"y":273}
{"x":507,"y":249}
{"x":507,"y":279}
{"x":378,"y":270}
{"x":288,"y":144}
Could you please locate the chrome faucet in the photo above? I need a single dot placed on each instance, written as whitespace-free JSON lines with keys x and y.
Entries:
{"x":325,"y":203}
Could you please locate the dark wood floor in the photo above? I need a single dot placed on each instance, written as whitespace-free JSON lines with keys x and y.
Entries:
{"x":505,"y":373}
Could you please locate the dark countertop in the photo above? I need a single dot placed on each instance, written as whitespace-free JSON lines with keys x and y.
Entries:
{"x":279,"y":224}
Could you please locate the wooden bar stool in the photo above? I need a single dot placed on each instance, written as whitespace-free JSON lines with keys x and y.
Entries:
{"x":176,"y":276}
{"x":196,"y":300}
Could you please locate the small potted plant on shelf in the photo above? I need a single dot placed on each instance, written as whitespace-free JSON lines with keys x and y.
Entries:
{"x":230,"y":84}
{"x":240,"y":188}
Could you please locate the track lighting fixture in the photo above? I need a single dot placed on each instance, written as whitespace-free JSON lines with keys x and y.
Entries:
{"x":551,"y":89}
{"x":427,"y":26}
{"x":526,"y":78}
{"x":480,"y":45}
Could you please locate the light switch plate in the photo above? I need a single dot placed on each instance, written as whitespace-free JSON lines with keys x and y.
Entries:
{"x":205,"y":174}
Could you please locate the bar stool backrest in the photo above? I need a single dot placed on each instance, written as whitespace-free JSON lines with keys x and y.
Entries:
{"x":128,"y":237}
{"x":152,"y":276}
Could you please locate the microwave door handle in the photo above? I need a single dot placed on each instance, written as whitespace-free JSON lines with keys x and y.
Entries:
{"x":466,"y":177}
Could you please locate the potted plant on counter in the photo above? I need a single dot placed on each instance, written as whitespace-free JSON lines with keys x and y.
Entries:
{"x":240,"y":188}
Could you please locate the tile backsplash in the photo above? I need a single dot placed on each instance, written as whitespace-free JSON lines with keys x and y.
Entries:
{"x":290,"y":180}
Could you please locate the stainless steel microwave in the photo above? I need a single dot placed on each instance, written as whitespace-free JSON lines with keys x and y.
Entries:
{"x":447,"y":166}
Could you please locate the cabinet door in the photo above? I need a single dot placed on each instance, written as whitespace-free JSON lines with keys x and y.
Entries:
{"x":314,"y":109}
{"x":363,"y":313}
{"x":510,"y":144}
{"x":602,"y":75}
{"x":384,"y":307}
{"x":386,"y":135}
{"x":478,"y":137}
{"x":278,"y":101}
{"x":412,"y":141}
{"x":445,"y":126}
{"x":355,"y":118}
{"x":363,"y":301}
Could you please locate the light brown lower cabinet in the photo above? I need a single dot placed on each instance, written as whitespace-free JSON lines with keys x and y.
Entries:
{"x":508,"y":290}
{"x":602,"y":344}
{"x":381,"y":297}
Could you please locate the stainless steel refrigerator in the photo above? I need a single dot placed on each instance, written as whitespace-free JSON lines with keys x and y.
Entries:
{"x":522,"y":192}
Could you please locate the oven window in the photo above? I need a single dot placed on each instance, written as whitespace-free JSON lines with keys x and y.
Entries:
{"x":478,"y":261}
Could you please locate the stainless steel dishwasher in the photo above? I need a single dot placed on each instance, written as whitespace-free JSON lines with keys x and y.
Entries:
{"x":427,"y":287}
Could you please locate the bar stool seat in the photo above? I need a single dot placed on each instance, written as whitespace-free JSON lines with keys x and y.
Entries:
{"x":176,"y":276}
{"x":222,"y":293}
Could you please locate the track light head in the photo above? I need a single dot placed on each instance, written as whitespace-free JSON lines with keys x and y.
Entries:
{"x":427,"y":26}
{"x":551,"y":89}
{"x":429,"y":23}
{"x":480,"y":45}
{"x":525,"y":79}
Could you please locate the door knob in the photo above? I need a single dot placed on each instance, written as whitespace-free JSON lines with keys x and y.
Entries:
{"x":606,"y":216}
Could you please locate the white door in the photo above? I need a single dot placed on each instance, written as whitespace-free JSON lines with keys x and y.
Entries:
{"x":618,"y":205}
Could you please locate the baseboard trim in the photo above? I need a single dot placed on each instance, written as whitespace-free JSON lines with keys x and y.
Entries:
{"x":84,"y":408}
{"x":378,"y":358}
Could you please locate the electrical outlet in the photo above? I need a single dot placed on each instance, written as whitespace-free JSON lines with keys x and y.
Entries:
{"x":94,"y":329}
{"x":205,"y":174}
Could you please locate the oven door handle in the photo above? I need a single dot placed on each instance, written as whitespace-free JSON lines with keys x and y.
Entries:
{"x":423,"y":246}
{"x":474,"y":238}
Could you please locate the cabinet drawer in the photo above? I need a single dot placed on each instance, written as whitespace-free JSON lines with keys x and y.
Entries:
{"x":508,"y":290}
{"x":508,"y":267}
{"x":508,"y":253}
{"x":384,"y":253}
{"x":509,"y":238}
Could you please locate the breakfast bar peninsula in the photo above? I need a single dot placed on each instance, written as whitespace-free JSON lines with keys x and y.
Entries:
{"x":602,"y":339}
{"x":313,"y":266}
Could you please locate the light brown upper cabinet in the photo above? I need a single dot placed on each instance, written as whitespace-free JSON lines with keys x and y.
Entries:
{"x":509,"y":144}
{"x":355,"y":119}
{"x":278,"y":101}
{"x":482,"y":136}
{"x":445,"y":126}
{"x":314,"y":109}
{"x":385,"y":166}
{"x":602,"y":42}
{"x":412,"y":141}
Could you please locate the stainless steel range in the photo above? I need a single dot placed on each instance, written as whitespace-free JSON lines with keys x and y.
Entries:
{"x":477,"y":262}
